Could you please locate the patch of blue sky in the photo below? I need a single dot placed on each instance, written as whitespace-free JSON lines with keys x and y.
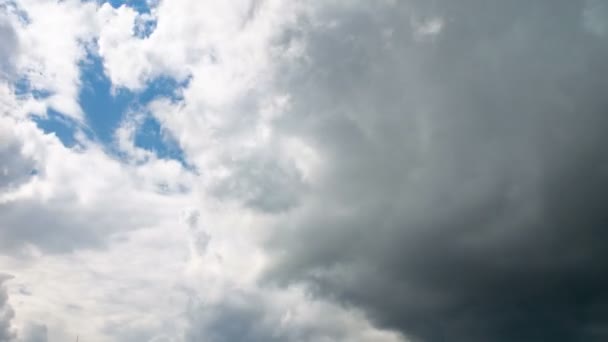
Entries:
{"x":22,"y":87}
{"x":141,"y":6}
{"x":148,"y":136}
{"x":144,"y":26}
{"x":63,"y":127}
{"x":60,"y":125}
{"x":105,"y":108}
{"x":163,"y":86}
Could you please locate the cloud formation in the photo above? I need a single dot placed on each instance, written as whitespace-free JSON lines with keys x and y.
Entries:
{"x":351,"y":171}
{"x":462,"y":189}
{"x":9,"y":47}
{"x":35,"y":333}
{"x":6,"y":313}
{"x":268,"y":315}
{"x":75,"y":207}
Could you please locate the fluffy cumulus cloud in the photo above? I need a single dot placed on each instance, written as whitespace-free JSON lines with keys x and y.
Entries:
{"x":51,"y":41}
{"x":269,"y":170}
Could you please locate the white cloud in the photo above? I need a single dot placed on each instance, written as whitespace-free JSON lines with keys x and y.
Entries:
{"x":52,"y":37}
{"x":83,"y":194}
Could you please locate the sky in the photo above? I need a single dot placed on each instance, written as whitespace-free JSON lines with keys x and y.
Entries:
{"x":303,"y":170}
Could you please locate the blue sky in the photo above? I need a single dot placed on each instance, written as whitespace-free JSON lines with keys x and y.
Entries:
{"x":105,"y":108}
{"x":140,"y":6}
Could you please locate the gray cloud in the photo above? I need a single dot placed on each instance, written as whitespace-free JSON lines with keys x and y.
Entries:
{"x":15,"y":169}
{"x":239,"y":318}
{"x":7,"y":333}
{"x":252,"y":315}
{"x":463,"y":196}
{"x":62,"y":222}
{"x":261,"y":183}
{"x":8,"y":48}
{"x":54,"y":228}
{"x":35,"y":332}
{"x":596,"y":17}
{"x":61,"y":226}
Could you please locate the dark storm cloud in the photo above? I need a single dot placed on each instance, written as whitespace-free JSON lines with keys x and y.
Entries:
{"x":464,"y":192}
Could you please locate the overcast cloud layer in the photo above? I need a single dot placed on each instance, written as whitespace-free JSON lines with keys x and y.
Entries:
{"x":345,"y":170}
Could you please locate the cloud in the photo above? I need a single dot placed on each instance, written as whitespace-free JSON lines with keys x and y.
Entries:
{"x":223,"y":122}
{"x":405,"y":146}
{"x":356,"y":171}
{"x":594,"y":15}
{"x":75,"y":205}
{"x":68,"y":189}
{"x":9,"y":47}
{"x":50,"y":40}
{"x":35,"y":333}
{"x":260,"y":182}
{"x":16,"y":168}
{"x":459,"y":195}
{"x":7,"y":333}
{"x":266,"y":315}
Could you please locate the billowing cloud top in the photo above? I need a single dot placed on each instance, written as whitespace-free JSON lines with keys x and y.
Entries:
{"x":272,"y":170}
